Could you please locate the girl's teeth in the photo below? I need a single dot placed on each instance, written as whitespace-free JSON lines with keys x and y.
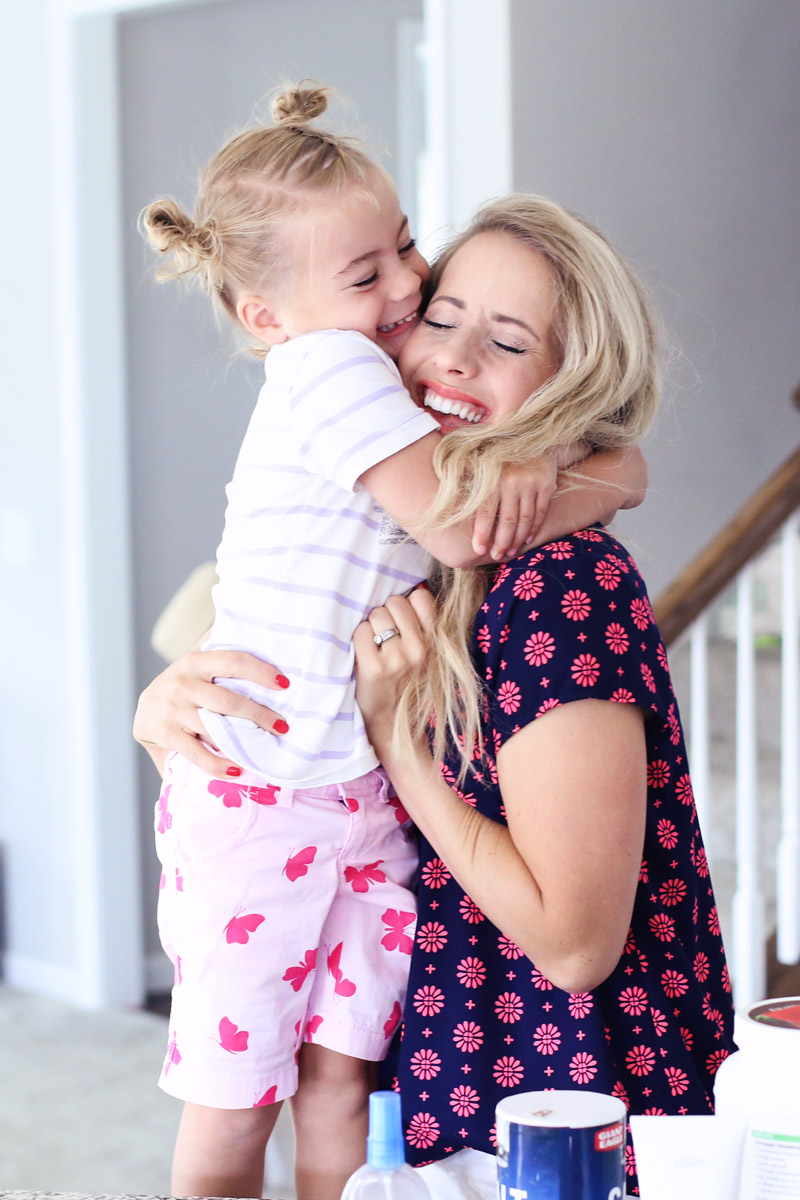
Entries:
{"x":403,"y":321}
{"x":438,"y":403}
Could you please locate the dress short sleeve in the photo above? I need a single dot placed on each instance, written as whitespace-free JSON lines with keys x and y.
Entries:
{"x":570,"y":621}
{"x":349,"y":407}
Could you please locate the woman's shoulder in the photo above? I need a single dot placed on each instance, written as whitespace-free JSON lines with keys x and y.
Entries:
{"x":570,"y":572}
{"x":571,"y":620}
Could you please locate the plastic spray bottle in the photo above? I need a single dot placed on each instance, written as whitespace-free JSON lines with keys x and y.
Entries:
{"x":385,"y":1175}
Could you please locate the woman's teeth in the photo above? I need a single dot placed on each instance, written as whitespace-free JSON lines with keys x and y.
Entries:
{"x":455,"y":408}
{"x":396,"y":324}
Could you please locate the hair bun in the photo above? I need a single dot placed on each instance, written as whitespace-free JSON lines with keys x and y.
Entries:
{"x":299,"y":105}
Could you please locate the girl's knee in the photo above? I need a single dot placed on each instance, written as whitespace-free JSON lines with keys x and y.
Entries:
{"x":233,"y":1126}
{"x":326,"y":1075}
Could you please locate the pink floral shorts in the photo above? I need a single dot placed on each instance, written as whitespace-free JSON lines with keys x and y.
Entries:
{"x":288,"y":918}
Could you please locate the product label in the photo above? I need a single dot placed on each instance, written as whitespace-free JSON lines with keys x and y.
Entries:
{"x":772,"y":1162}
{"x":610,"y":1138}
{"x":550,"y":1163}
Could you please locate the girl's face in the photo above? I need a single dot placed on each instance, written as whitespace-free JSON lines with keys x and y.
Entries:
{"x":486,"y":340}
{"x":354,"y":266}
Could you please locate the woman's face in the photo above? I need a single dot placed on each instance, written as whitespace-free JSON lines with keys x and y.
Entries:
{"x":486,"y":340}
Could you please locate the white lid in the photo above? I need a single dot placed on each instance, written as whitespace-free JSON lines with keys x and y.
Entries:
{"x":560,"y":1109}
{"x":770,"y":1025}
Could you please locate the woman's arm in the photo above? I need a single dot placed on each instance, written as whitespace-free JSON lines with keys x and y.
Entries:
{"x":560,"y":879}
{"x":167,"y":718}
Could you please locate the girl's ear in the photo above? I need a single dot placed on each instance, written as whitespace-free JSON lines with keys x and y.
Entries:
{"x":261,"y":319}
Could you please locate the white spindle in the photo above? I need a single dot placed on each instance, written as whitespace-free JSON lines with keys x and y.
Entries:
{"x":748,"y":902}
{"x":700,"y":736}
{"x":788,"y":873}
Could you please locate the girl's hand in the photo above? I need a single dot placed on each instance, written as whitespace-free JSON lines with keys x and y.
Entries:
{"x":511,"y":521}
{"x":167,"y":717}
{"x":382,"y":671}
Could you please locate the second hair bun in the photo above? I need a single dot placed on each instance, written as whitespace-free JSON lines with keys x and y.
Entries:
{"x":298,"y":105}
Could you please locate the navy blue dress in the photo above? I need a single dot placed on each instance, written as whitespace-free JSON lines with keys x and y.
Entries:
{"x":568,"y":622}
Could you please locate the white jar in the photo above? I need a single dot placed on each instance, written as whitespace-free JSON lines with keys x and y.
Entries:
{"x":760,"y":1085}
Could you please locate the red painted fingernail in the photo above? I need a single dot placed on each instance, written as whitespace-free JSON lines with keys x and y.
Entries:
{"x":234,"y":771}
{"x":280,"y":726}
{"x":282,"y":681}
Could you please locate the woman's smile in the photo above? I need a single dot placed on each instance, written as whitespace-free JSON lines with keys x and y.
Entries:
{"x":449,"y":406}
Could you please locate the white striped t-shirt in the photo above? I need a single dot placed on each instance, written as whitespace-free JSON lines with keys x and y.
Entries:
{"x":307,"y":552}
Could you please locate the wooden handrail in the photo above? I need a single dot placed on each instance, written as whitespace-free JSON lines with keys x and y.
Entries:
{"x":720,"y":561}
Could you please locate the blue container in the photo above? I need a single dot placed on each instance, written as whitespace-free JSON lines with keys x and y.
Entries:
{"x":561,"y":1146}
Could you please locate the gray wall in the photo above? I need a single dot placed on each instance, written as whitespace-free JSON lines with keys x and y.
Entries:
{"x":673,"y":126}
{"x":190,"y":78}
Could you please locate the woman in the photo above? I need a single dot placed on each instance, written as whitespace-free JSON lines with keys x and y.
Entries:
{"x":577,"y":848}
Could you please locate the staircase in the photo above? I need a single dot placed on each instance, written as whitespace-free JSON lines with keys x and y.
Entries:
{"x":731,"y":622}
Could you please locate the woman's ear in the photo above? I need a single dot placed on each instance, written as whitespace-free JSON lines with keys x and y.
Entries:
{"x":261,"y":319}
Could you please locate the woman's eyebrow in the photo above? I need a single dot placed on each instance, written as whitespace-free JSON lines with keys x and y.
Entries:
{"x":501,"y":317}
{"x":356,"y":262}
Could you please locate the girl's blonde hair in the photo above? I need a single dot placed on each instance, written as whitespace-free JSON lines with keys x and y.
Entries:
{"x":604,"y":393}
{"x":232,"y":244}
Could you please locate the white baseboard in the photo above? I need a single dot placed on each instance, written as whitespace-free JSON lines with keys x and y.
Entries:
{"x":45,"y":978}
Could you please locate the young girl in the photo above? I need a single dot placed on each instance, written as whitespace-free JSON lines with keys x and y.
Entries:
{"x":285,"y":902}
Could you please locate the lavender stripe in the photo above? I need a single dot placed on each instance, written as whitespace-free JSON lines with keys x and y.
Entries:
{"x":313,"y":510}
{"x":318,"y":634}
{"x":298,"y":397}
{"x":298,"y":589}
{"x":375,"y":568}
{"x":241,"y":756}
{"x":354,"y":407}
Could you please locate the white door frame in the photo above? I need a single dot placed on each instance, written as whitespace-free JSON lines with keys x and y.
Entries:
{"x":100,"y":785}
{"x":467,"y":40}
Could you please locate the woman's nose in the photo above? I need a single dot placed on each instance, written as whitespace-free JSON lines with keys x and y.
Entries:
{"x":457,"y":354}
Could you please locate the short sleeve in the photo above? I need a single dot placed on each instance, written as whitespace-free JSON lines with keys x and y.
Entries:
{"x":349,"y":408}
{"x":570,"y":622}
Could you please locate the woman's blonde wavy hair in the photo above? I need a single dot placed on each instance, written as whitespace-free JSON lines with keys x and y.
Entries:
{"x":232,"y":244}
{"x":604,"y":393}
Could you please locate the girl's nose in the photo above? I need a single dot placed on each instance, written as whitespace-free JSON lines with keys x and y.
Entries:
{"x":405,"y":282}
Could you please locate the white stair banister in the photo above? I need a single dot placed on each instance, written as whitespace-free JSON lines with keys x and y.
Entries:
{"x":748,"y":902}
{"x":699,"y":729}
{"x":788,"y":865}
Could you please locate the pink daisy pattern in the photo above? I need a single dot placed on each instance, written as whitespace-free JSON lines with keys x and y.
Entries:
{"x":508,"y":1071}
{"x":464,"y":1100}
{"x":570,"y":622}
{"x":576,"y":605}
{"x":528,"y":585}
{"x":547,"y":1038}
{"x":539,"y":648}
{"x":423,"y":1130}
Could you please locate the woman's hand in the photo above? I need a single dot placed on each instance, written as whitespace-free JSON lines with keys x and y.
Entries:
{"x":382,"y":671}
{"x":167,"y":717}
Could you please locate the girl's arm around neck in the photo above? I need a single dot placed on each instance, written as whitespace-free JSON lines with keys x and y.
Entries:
{"x":405,"y":484}
{"x":561,"y":877}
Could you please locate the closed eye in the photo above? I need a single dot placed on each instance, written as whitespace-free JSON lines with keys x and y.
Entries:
{"x":508,"y":349}
{"x":408,"y":247}
{"x":435,"y":324}
{"x":362,"y":283}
